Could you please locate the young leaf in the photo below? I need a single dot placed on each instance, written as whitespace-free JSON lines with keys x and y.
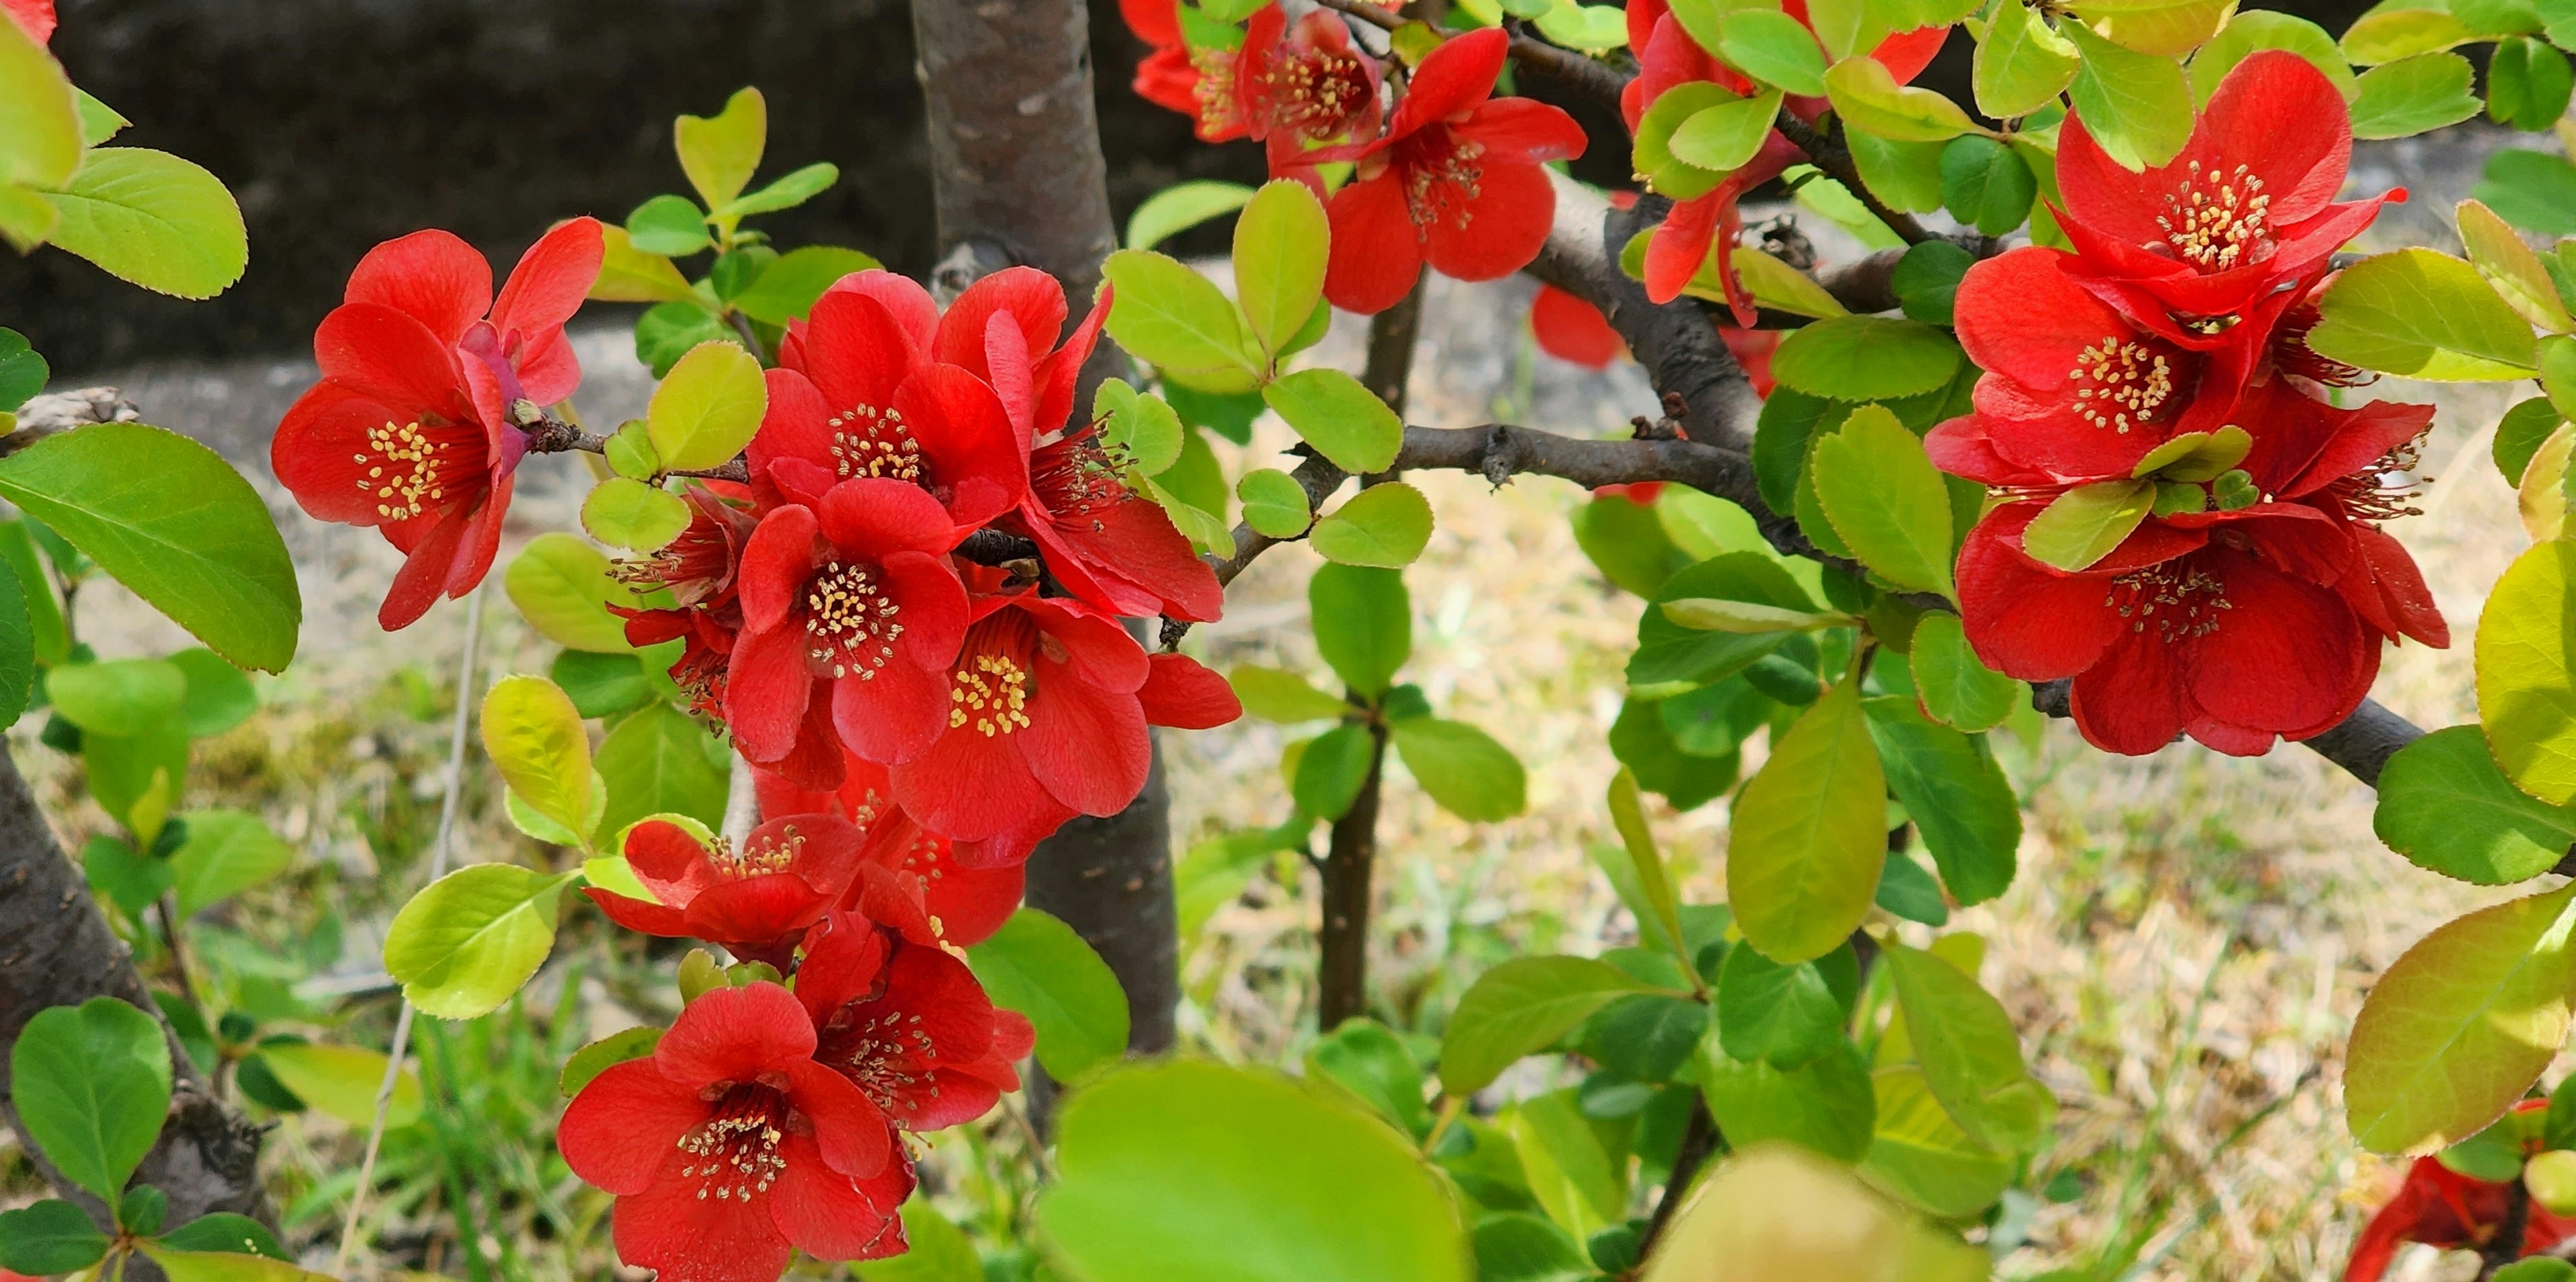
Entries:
{"x":1274,"y":504}
{"x":2424,"y":315}
{"x":226,"y":853}
{"x":2087,"y":523}
{"x":472,"y":938}
{"x":49,"y":1237}
{"x":2172,"y":27}
{"x":1970,"y":1053}
{"x":1823,"y":1106}
{"x":2137,"y":106}
{"x":169,"y":519}
{"x":1522,"y":1007}
{"x":787,"y":289}
{"x":155,"y":220}
{"x":789,"y":191}
{"x":121,"y":697}
{"x":1166,"y":313}
{"x":1181,"y":206}
{"x":1363,"y":623}
{"x":1037,"y":966}
{"x":40,"y":126}
{"x":2022,"y":64}
{"x":1918,"y":1154}
{"x":2413,"y":95}
{"x":1465,"y":770}
{"x":2521,"y":432}
{"x":1279,"y":249}
{"x":1774,"y":48}
{"x":535,"y":737}
{"x":1886,"y":500}
{"x":342,"y":1081}
{"x":1986,"y":184}
{"x":1332,"y":770}
{"x":1868,"y":98}
{"x":1956,"y":688}
{"x":1724,"y":136}
{"x":2524,"y":673}
{"x":2511,"y":268}
{"x":1344,"y":421}
{"x":1785,"y":1015}
{"x":1865,"y":358}
{"x":628,"y":274}
{"x":633,"y":515}
{"x":2445,"y":805}
{"x":1384,"y":525}
{"x":667,"y":225}
{"x":606,"y":1053}
{"x":1187,"y":1169}
{"x":707,"y":408}
{"x":2253,"y":30}
{"x":1810,"y":834}
{"x":563,"y":588}
{"x":2464,"y":1022}
{"x":91,"y":1085}
{"x":719,"y":153}
{"x":661,"y":761}
{"x":1274,"y":695}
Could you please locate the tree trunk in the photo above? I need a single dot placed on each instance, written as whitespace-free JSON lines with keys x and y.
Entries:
{"x":56,"y":950}
{"x":1018,"y":177}
{"x":1349,"y":872}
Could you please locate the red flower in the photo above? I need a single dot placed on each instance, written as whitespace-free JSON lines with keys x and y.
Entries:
{"x":1303,"y":85}
{"x":956,"y":904}
{"x":1197,"y":83}
{"x":756,"y":901}
{"x":859,"y":596}
{"x":411,"y":429}
{"x":1047,"y":709}
{"x":729,"y":1148}
{"x":35,"y":17}
{"x":1456,"y":181}
{"x":2247,"y":207}
{"x":909,"y":1024}
{"x":2440,"y":1207}
{"x":860,"y":393}
{"x":2233,"y":627}
{"x":2075,"y":390}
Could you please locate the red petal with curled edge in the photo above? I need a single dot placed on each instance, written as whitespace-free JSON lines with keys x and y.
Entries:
{"x":856,"y":355}
{"x":2275,"y":115}
{"x":432,"y":276}
{"x":967,"y":437}
{"x":777,"y":561}
{"x":623,"y":1125}
{"x":391,"y":356}
{"x":1032,"y":299}
{"x":424,"y":572}
{"x":850,"y":1132}
{"x":735,"y":1035}
{"x":1181,"y":692}
{"x":1680,"y":243}
{"x":797,"y":425}
{"x":669,"y":861}
{"x":2281,"y":658}
{"x":1454,"y":77}
{"x":2024,"y":619}
{"x":551,"y":280}
{"x":1376,"y":253}
{"x":2400,"y":584}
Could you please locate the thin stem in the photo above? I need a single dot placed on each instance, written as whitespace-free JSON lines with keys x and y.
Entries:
{"x":438,"y":851}
{"x":2506,"y":1246}
{"x":750,"y":338}
{"x":168,"y":907}
{"x":1832,"y":155}
{"x":1392,"y":337}
{"x":1699,"y":1139}
{"x":1341,"y":972}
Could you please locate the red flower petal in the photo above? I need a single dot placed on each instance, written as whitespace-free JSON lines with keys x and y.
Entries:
{"x":670,"y":1228}
{"x":552,"y":279}
{"x":856,"y":355}
{"x":2025,"y":620}
{"x":625,"y":1124}
{"x":1570,"y":329}
{"x":2361,"y":438}
{"x":1376,"y":254}
{"x":735,"y":1035}
{"x":1088,"y":747}
{"x":2131,"y":702}
{"x":875,"y":517}
{"x":915,"y":313}
{"x":424,"y":572}
{"x":2275,"y":114}
{"x":1060,"y":373}
{"x":1505,"y":225}
{"x":831,"y":1216}
{"x":1454,"y":77}
{"x":1032,"y":299}
{"x":974,"y":451}
{"x":1179,"y":691}
{"x":2408,"y":602}
{"x":669,"y":861}
{"x":848,"y":1127}
{"x":970,"y":786}
{"x":1153,"y":21}
{"x":892,"y":716}
{"x":2281,"y":658}
{"x":35,"y":17}
{"x":766,"y":690}
{"x":1522,"y":129}
{"x":389,"y":355}
{"x":1102,"y":652}
{"x":1680,"y":243}
{"x":757,"y":918}
{"x":432,"y":276}
{"x":639,"y":916}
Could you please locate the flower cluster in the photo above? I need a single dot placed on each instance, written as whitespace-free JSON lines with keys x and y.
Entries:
{"x":2159,"y":374}
{"x":1449,"y":175}
{"x":2441,"y":1207}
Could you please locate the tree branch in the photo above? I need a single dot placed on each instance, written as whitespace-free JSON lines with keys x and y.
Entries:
{"x":1832,"y":155}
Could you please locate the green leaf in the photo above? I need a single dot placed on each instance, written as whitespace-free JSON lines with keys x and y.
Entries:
{"x":1671,"y":658}
{"x":2022,"y":64}
{"x":1654,"y":883}
{"x":1037,"y":966}
{"x":1274,"y":504}
{"x":1363,"y":623}
{"x":672,"y":226}
{"x":2423,"y":315}
{"x":227,"y":1232}
{"x":1384,"y":525}
{"x":40,"y":126}
{"x":1140,"y":428}
{"x":22,"y":371}
{"x":668,"y":331}
{"x":707,"y":408}
{"x":719,"y":152}
{"x":1919,"y":1155}
{"x":1785,"y":1015}
{"x":17,"y":647}
{"x":2523,"y":673}
{"x":2528,"y":84}
{"x":1956,"y":795}
{"x":1868,"y":99}
{"x":1522,"y":1007}
{"x":2386,"y":34}
{"x":1823,"y":1105}
{"x":1332,"y":770}
{"x":1466,"y":771}
{"x":602,"y":685}
{"x":1774,"y":48}
{"x":1181,"y":206}
{"x":155,"y":220}
{"x":2412,"y":96}
{"x":219,"y":695}
{"x":1651,"y":153}
{"x":1970,"y":1053}
{"x":2533,"y":190}
{"x":342,"y":1082}
{"x":120,"y":697}
{"x":1775,"y":284}
{"x":226,"y":853}
{"x":91,"y":1085}
{"x":1723,"y":136}
{"x":563,"y":587}
{"x":1886,"y":499}
{"x":631,"y":275}
{"x":2444,"y":805}
{"x":535,"y":738}
{"x":2457,"y":1029}
{"x":789,"y":191}
{"x":938,"y":1251}
{"x":786,"y":290}
{"x":1168,"y":314}
{"x":132,"y":775}
{"x":52,"y":1236}
{"x":112,"y":868}
{"x":2253,"y":30}
{"x":1271,"y":694}
{"x":606,"y":1053}
{"x":1585,"y":28}
{"x":630,"y":453}
{"x":1926,"y":280}
{"x":1279,"y":248}
{"x":1344,"y":421}
{"x":2171,"y":27}
{"x":2087,"y":523}
{"x":1986,"y":184}
{"x":2540,"y":1268}
{"x":224,"y":1266}
{"x":1809,"y":834}
{"x":633,"y":515}
{"x":661,"y":761}
{"x":1956,"y":688}
{"x":172,"y":521}
{"x":2510,"y":267}
{"x":1516,"y":1246}
{"x":472,"y":938}
{"x":2196,"y":456}
{"x":1366,"y":1058}
{"x":2138,"y":106}
{"x":1186,"y":1169}
{"x":1571,"y":1173}
{"x":1865,"y":358}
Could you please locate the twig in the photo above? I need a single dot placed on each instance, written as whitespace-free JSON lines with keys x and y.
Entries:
{"x":1832,"y":155}
{"x":1699,"y":1139}
{"x":550,"y":435}
{"x":437,"y":868}
{"x":1590,"y":79}
{"x":750,"y":338}
{"x":2506,"y":1246}
{"x":1372,"y":14}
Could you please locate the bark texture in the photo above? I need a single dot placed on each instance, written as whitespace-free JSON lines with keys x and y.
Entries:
{"x":1349,"y":872}
{"x":1018,"y":178}
{"x":56,"y":950}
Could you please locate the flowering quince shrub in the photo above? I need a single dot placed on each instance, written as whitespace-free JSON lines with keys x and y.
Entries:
{"x":886,"y":588}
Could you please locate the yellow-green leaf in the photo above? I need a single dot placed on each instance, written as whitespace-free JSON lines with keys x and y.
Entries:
{"x":470,"y":939}
{"x":40,"y":128}
{"x":342,"y":1081}
{"x":535,"y":737}
{"x":1810,"y":834}
{"x":563,"y":587}
{"x":2526,"y":683}
{"x":2507,"y":263}
{"x":629,"y":275}
{"x":2022,"y":64}
{"x":707,"y":408}
{"x":2138,"y":106}
{"x":2424,"y":315}
{"x":2086,"y":523}
{"x":1886,"y":500}
{"x":1869,"y":99}
{"x":1280,"y":242}
{"x":719,"y":152}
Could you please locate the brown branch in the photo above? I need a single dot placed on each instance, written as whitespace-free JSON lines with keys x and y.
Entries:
{"x":1699,"y":1140}
{"x":1349,"y":875}
{"x":1373,"y":14}
{"x":1588,"y":79}
{"x":1832,"y":155}
{"x":550,"y":435}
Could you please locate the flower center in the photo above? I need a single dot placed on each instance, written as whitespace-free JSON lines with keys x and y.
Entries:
{"x":992,"y":692}
{"x":2183,"y":601}
{"x":1314,"y":95}
{"x":2121,"y":383}
{"x":888,"y":1054}
{"x":2217,"y":221}
{"x":1440,"y":181}
{"x":2385,"y":490}
{"x":734,"y":1153}
{"x":850,"y":623}
{"x":755,"y":860}
{"x":1077,"y":476}
{"x":404,"y":472}
{"x":869,"y":441}
{"x":1218,"y":110}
